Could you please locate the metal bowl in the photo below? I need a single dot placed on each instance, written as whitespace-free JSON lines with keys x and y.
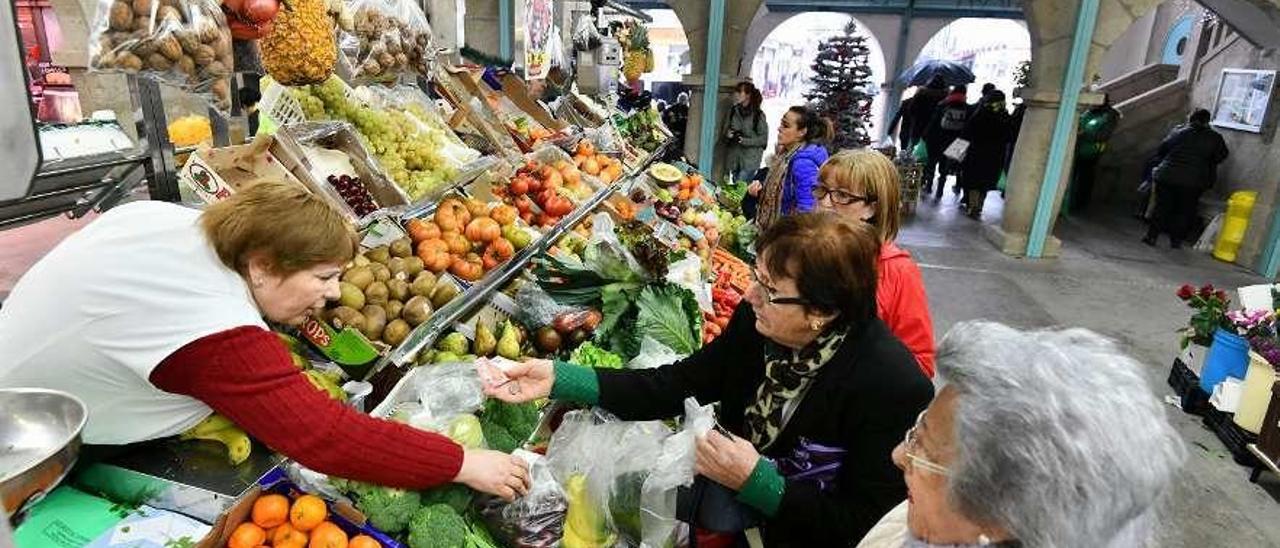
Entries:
{"x":39,"y":442}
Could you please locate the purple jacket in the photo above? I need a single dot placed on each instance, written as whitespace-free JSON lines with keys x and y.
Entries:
{"x":802,"y":178}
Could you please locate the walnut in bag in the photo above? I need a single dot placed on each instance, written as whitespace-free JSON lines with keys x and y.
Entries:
{"x":389,"y":38}
{"x":184,"y":43}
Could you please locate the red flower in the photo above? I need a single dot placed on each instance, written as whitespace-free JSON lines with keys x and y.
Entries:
{"x":1206,"y":291}
{"x":1186,"y":292}
{"x":1221,"y":295}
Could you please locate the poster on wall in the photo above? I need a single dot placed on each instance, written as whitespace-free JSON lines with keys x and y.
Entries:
{"x":1243,"y":97}
{"x":538,"y":43}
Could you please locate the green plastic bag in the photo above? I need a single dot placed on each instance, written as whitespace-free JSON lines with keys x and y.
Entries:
{"x":1004,"y":179}
{"x":920,"y":152}
{"x":67,"y":518}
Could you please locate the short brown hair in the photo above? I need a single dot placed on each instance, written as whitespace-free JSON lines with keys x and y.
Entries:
{"x":831,"y":258}
{"x":869,"y":173}
{"x":293,"y":228}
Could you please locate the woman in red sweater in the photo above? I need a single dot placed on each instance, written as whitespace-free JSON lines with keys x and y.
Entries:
{"x":864,"y":184}
{"x":153,"y":315}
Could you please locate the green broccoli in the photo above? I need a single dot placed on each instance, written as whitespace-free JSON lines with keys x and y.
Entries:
{"x":499,"y":438}
{"x":388,"y":509}
{"x":437,"y":526}
{"x":455,"y":495}
{"x":516,"y":421}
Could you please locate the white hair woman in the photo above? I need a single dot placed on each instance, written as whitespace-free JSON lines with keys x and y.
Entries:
{"x":1037,"y":438}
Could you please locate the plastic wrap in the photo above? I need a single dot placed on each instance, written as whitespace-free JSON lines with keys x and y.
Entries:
{"x":672,"y":469}
{"x":535,"y":520}
{"x":585,"y":35}
{"x":536,"y":308}
{"x":653,"y":354}
{"x":687,"y":273}
{"x":184,"y":43}
{"x":388,"y":38}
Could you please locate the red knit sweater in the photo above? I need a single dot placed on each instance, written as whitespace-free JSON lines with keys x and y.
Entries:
{"x":246,"y":374}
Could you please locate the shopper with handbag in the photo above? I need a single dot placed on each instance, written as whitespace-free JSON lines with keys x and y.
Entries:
{"x":806,"y":377}
{"x":987,"y":133}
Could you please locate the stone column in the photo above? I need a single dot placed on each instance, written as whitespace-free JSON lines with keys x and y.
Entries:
{"x":1027,"y":172}
{"x":446,"y":17}
{"x":480,"y":25}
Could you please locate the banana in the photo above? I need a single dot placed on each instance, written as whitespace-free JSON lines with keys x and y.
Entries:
{"x":327,"y":383}
{"x":218,"y":428}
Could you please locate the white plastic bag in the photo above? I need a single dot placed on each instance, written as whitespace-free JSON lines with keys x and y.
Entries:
{"x":448,"y":389}
{"x":957,"y":150}
{"x":687,"y":273}
{"x":653,"y":354}
{"x":672,"y":469}
{"x":1210,"y":235}
{"x":389,"y":38}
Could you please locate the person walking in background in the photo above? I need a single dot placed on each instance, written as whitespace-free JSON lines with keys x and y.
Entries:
{"x":676,"y":118}
{"x":988,"y":135}
{"x":746,"y":132}
{"x":949,"y":118}
{"x":793,"y":174}
{"x":1096,"y":126}
{"x":917,"y":111}
{"x":1189,"y":166}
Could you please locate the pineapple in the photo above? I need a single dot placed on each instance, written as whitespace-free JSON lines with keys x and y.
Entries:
{"x":638,"y":58}
{"x":300,"y":49}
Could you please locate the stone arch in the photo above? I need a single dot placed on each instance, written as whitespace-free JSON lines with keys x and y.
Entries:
{"x":964,"y":30}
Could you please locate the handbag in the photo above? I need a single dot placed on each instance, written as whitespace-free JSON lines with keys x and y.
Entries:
{"x":957,"y":150}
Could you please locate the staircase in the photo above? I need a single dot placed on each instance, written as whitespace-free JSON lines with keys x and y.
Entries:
{"x":1151,"y":100}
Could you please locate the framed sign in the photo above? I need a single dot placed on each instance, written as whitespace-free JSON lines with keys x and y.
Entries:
{"x":1243,"y":97}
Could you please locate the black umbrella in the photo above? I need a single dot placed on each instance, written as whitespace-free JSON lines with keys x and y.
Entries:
{"x":952,"y":72}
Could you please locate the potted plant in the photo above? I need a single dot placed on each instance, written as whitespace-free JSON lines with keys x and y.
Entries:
{"x":1210,"y":307}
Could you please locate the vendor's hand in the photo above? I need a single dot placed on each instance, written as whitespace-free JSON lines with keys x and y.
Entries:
{"x":530,"y":380}
{"x":495,"y":473}
{"x":727,"y":461}
{"x":754,"y":188}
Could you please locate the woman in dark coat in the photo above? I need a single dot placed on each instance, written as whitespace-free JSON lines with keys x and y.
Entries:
{"x":988,"y":133}
{"x":804,"y":361}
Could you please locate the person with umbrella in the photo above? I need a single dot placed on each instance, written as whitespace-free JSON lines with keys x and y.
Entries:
{"x":916,"y":111}
{"x":949,"y":120}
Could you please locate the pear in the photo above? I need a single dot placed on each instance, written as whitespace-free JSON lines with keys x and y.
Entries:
{"x":445,"y":357}
{"x":455,"y":343}
{"x":486,"y":343}
{"x":509,"y":343}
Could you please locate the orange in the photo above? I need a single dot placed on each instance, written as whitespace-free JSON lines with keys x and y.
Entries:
{"x":270,"y":510}
{"x":328,"y":535}
{"x":286,"y":535}
{"x":363,"y":541}
{"x":307,"y":512}
{"x":247,"y":535}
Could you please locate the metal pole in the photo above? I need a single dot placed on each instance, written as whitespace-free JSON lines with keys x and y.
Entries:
{"x":1086,"y":21}
{"x":711,"y":93}
{"x":899,"y":64}
{"x":506,"y":28}
{"x":153,"y":137}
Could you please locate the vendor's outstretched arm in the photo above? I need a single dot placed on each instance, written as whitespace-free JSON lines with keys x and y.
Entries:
{"x":246,"y":374}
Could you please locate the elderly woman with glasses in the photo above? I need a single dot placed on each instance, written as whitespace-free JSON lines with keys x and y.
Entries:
{"x":1037,"y":438}
{"x":805,"y":370}
{"x":863,"y":185}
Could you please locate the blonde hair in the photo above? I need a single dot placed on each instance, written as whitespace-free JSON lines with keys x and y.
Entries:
{"x":292,"y":228}
{"x":867,"y":172}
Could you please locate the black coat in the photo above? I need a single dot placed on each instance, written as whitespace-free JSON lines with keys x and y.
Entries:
{"x":1190,"y":156}
{"x":988,"y":133}
{"x":863,"y":400}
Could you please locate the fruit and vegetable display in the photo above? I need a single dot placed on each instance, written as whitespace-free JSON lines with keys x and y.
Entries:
{"x":184,"y":43}
{"x":387,"y":291}
{"x":278,"y":521}
{"x":354,"y":193}
{"x":607,"y":168}
{"x":544,"y":193}
{"x":468,"y":238}
{"x":389,"y":38}
{"x":300,"y":48}
{"x":643,"y":129}
{"x":725,"y":298}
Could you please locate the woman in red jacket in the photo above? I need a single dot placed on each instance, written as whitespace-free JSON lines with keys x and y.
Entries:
{"x":155,"y":315}
{"x":864,"y":184}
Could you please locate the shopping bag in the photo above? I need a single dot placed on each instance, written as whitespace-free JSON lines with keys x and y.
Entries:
{"x":957,"y":150}
{"x":920,"y":152}
{"x":1003,"y":182}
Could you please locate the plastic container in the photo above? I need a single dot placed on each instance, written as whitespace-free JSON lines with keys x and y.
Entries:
{"x":1228,"y":357}
{"x":1256,"y":395}
{"x":1239,"y":207}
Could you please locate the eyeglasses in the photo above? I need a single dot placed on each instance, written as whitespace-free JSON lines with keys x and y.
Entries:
{"x":839,"y":197}
{"x":771,"y":294}
{"x":911,"y":442}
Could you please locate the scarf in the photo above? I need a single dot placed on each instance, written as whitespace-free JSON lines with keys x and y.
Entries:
{"x":770,"y":208}
{"x":787,"y":373}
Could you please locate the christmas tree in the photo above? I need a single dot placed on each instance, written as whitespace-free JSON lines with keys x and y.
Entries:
{"x":841,"y":79}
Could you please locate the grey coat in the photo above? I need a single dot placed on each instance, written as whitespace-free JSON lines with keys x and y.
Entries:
{"x":744,"y":155}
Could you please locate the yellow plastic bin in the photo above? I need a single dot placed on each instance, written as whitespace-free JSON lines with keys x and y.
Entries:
{"x":1236,"y":223}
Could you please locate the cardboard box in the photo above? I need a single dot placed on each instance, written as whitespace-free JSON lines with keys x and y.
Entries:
{"x":216,"y":173}
{"x":518,"y":92}
{"x":342,"y":137}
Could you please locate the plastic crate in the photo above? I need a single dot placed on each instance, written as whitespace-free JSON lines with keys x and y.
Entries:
{"x":1186,"y":384}
{"x":1236,"y":439}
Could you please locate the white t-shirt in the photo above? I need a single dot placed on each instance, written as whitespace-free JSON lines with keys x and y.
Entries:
{"x":108,"y":304}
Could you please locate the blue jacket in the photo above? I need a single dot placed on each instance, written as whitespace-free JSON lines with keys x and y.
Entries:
{"x":802,"y":178}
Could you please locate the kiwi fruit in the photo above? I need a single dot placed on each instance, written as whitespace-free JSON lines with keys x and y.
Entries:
{"x":377,"y":293}
{"x":345,"y":316}
{"x":412,"y":266}
{"x":381,"y":272}
{"x":398,"y":289}
{"x":401,"y":248}
{"x":379,"y":254}
{"x":423,"y":284}
{"x":395,"y":332}
{"x":375,"y":319}
{"x":359,"y":276}
{"x":416,"y":311}
{"x":351,"y":297}
{"x":393,"y":308}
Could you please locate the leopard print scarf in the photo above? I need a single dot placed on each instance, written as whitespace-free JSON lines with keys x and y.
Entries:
{"x":787,"y":373}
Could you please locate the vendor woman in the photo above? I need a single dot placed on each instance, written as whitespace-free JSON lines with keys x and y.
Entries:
{"x":804,"y":362}
{"x":153,"y":315}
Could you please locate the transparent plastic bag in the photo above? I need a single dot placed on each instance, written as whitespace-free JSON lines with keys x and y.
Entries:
{"x":639,"y":446}
{"x":672,"y":469}
{"x":184,"y":43}
{"x":607,"y":255}
{"x":585,"y":35}
{"x":687,"y":273}
{"x":535,"y":520}
{"x":537,"y":308}
{"x":450,"y":389}
{"x":388,"y":38}
{"x":653,"y":354}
